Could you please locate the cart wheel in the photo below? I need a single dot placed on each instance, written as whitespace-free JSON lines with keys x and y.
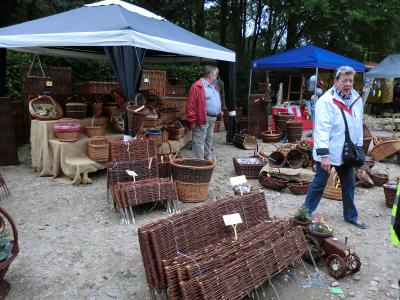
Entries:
{"x":336,"y":266}
{"x":354,"y":263}
{"x":316,"y":250}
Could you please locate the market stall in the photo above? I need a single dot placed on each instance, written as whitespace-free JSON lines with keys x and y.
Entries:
{"x":308,"y":57}
{"x":127,"y":34}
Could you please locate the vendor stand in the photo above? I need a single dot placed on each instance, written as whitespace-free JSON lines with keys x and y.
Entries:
{"x":308,"y":57}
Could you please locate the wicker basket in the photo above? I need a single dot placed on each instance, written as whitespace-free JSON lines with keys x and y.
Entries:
{"x":385,"y":149}
{"x":67,"y":130}
{"x":192,"y":169}
{"x":96,"y":130}
{"x":98,"y":148}
{"x":245,"y":141}
{"x":271,"y":136}
{"x":153,"y":119}
{"x":294,"y":131}
{"x":248,"y":166}
{"x":272,"y":182}
{"x":176,"y":131}
{"x":299,"y":188}
{"x":189,"y":192}
{"x":95,"y":87}
{"x":379,"y":179}
{"x":5,"y":264}
{"x":164,"y":167}
{"x":320,"y":236}
{"x":295,"y":159}
{"x":97,"y":108}
{"x":179,"y":103}
{"x":156,"y":135}
{"x":75,"y":110}
{"x":136,"y":117}
{"x":45,"y":108}
{"x":332,"y":193}
{"x":276,"y":159}
{"x":390,"y":194}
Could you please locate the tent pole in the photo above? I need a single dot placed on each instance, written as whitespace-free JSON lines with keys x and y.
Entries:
{"x":251,"y":73}
{"x":316,"y":81}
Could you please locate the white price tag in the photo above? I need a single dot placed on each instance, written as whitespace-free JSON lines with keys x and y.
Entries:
{"x":131,"y":173}
{"x":146,"y":80}
{"x":238,"y":180}
{"x":49,"y":83}
{"x":232,"y":219}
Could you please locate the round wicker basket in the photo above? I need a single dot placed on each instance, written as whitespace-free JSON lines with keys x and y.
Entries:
{"x":98,"y":148}
{"x":189,"y":192}
{"x":96,"y":130}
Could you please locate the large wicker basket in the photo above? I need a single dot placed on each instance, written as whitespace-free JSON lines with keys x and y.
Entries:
{"x":98,"y":148}
{"x":45,"y":108}
{"x":190,"y":192}
{"x":96,"y":130}
{"x":67,"y":130}
{"x":192,"y":169}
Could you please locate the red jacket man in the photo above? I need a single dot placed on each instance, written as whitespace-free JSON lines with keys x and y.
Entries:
{"x":203,"y":107}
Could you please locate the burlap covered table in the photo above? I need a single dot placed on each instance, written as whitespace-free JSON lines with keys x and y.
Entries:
{"x":54,"y":158}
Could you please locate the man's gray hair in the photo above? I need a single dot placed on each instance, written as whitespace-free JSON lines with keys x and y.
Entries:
{"x":208,"y":70}
{"x":344,"y":70}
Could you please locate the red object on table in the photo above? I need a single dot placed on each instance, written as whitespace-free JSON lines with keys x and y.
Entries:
{"x":299,"y":114}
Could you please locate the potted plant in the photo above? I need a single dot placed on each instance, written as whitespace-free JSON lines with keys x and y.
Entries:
{"x":302,"y":217}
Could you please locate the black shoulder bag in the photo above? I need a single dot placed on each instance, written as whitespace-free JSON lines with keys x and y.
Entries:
{"x":353,"y":156}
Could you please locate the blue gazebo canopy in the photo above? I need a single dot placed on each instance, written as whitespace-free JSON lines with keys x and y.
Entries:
{"x":306,"y":57}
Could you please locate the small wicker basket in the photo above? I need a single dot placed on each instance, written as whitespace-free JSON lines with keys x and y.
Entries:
{"x":98,"y":148}
{"x":67,"y":130}
{"x":379,"y":179}
{"x":390,"y":194}
{"x":299,"y":188}
{"x":96,"y":130}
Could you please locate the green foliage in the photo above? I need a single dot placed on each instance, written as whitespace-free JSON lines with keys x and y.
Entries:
{"x":188,"y":73}
{"x":303,"y":214}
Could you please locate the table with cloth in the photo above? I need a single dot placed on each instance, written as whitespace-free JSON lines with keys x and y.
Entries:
{"x":54,"y":158}
{"x":299,"y":114}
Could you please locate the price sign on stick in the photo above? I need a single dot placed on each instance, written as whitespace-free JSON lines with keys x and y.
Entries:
{"x":232,"y":220}
{"x":132,"y":173}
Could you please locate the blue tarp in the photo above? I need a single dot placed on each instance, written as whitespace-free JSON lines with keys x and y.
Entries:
{"x":306,"y":57}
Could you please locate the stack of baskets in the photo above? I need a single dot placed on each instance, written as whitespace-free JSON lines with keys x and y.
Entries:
{"x":98,"y":148}
{"x":294,"y":130}
{"x":280,"y":121}
{"x":192,"y":177}
{"x":67,"y":130}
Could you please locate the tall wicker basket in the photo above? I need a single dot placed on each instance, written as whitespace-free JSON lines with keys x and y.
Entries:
{"x":98,"y":148}
{"x":136,"y":117}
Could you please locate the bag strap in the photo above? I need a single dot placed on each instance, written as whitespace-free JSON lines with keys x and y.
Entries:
{"x":346,"y":131}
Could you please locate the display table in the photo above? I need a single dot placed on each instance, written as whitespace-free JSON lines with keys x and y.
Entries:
{"x":54,"y":158}
{"x":298,"y":115}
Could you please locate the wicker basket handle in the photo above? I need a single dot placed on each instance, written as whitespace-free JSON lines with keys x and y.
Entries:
{"x":68,"y":120}
{"x":15,"y":248}
{"x":98,"y":120}
{"x":98,"y":138}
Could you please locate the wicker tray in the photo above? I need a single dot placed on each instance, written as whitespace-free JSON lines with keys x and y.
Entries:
{"x":248,"y":166}
{"x":45,"y":108}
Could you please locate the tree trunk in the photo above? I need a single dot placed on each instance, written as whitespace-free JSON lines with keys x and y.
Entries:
{"x":257,"y":26}
{"x":291,"y":33}
{"x":200,"y":24}
{"x":224,"y":23}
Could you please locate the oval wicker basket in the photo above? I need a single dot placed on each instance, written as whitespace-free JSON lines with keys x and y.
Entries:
{"x":96,"y":130}
{"x":271,"y":136}
{"x":271,"y":181}
{"x":379,"y":179}
{"x":67,"y":130}
{"x":45,"y":108}
{"x":385,"y":149}
{"x":299,"y":188}
{"x":390,"y":194}
{"x":98,"y":148}
{"x":5,"y":264}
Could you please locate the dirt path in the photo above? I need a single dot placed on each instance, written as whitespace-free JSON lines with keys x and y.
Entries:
{"x":74,"y":246}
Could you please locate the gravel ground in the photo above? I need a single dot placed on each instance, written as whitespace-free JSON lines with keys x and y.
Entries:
{"x":74,"y":246}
